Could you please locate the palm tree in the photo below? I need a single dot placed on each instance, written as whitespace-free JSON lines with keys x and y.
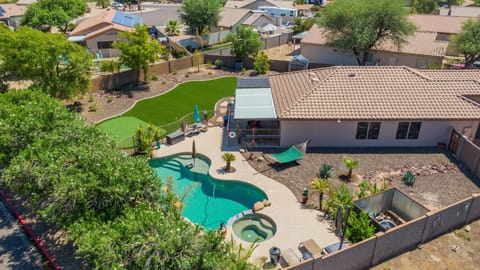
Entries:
{"x":321,"y":185}
{"x":228,"y":158}
{"x":172,"y":28}
{"x":350,"y":164}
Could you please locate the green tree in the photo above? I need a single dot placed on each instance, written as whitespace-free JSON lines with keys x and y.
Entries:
{"x":200,"y":15}
{"x":350,"y":164}
{"x":321,"y":186}
{"x":102,"y":3}
{"x":228,"y":158}
{"x":139,"y":50}
{"x":467,"y":42}
{"x":303,"y":24}
{"x":261,"y":63}
{"x":245,"y":42}
{"x":360,"y":25}
{"x":53,"y":13}
{"x":55,"y":65}
{"x":425,"y":6}
{"x":476,"y":2}
{"x":172,"y":28}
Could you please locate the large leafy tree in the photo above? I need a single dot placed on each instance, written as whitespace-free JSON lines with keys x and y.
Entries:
{"x":55,"y":65}
{"x":467,"y":42}
{"x":200,"y":15}
{"x":116,"y":211}
{"x":360,"y":25}
{"x":53,"y":13}
{"x":425,"y":6}
{"x":245,"y":42}
{"x":139,"y":50}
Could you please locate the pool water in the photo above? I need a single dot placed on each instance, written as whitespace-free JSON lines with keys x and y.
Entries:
{"x":256,"y":227}
{"x":207,"y":201}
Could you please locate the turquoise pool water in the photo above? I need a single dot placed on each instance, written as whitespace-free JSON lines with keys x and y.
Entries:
{"x":208,"y":201}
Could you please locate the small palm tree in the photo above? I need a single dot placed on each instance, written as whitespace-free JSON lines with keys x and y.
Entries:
{"x":325,"y":171}
{"x":350,"y":164}
{"x":228,"y":158}
{"x":321,"y":185}
{"x":172,"y":28}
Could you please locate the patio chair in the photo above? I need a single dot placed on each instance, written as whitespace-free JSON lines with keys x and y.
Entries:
{"x":293,"y":153}
{"x":289,"y":258}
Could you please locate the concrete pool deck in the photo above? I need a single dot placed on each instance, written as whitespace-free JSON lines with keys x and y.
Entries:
{"x":294,"y":223}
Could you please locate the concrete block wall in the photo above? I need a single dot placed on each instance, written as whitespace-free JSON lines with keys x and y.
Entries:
{"x":357,"y":256}
{"x":398,"y":240}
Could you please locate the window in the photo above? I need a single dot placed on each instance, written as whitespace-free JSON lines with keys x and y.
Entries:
{"x":368,"y":130}
{"x":105,"y":44}
{"x":408,"y":130}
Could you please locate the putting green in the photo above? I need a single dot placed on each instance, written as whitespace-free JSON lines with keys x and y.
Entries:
{"x":123,"y":128}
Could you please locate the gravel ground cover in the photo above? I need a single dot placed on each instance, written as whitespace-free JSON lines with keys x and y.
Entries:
{"x":440,"y":180}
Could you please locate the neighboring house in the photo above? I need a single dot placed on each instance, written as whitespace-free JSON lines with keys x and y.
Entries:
{"x":472,"y":12}
{"x":421,"y":50}
{"x":10,"y":14}
{"x":99,"y":32}
{"x":231,"y":18}
{"x":281,"y":10}
{"x":442,"y":25}
{"x":355,"y":106}
{"x":258,"y":20}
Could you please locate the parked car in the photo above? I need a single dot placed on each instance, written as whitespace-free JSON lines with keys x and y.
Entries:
{"x":117,"y":5}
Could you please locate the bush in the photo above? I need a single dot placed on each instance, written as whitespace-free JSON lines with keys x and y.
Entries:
{"x":326,"y":171}
{"x":360,"y":227}
{"x":218,"y":63}
{"x":92,"y":107}
{"x":261,"y":63}
{"x":409,"y":178}
{"x":108,"y":66}
{"x":187,"y":75}
{"x":174,"y":72}
{"x":109,"y":100}
{"x":153,"y":77}
{"x":90,"y":97}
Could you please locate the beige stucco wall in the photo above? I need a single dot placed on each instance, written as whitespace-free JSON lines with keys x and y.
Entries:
{"x":332,"y":56}
{"x":333,"y":134}
{"x":108,"y":36}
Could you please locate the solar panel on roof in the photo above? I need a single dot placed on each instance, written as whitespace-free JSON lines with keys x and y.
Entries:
{"x":244,"y":82}
{"x":126,"y":19}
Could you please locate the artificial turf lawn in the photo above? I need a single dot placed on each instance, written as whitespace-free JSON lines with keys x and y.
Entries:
{"x":122,"y":129}
{"x":180,"y":101}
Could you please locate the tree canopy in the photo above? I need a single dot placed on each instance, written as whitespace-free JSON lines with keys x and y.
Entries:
{"x":53,"y":13}
{"x":114,"y":208}
{"x":200,"y":15}
{"x":57,"y":66}
{"x":467,"y":42}
{"x":139,"y":50}
{"x":359,"y":25}
{"x":425,"y":6}
{"x":245,"y":42}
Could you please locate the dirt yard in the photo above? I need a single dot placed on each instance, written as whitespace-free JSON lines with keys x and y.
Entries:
{"x":456,"y":250}
{"x":440,"y":181}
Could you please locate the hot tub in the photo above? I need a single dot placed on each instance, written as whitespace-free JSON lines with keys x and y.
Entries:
{"x":255,"y":227}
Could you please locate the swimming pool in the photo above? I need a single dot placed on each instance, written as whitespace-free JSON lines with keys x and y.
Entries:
{"x":208,"y":201}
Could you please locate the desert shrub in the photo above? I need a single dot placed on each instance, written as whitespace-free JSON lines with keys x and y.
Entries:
{"x":360,"y":227}
{"x":326,"y":171}
{"x":409,"y":178}
{"x":218,"y":63}
{"x":154,"y":77}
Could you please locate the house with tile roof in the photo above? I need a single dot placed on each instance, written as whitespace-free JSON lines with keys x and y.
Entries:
{"x":428,"y":45}
{"x":354,"y":106}
{"x":99,"y":32}
{"x":232,"y":18}
{"x":10,"y":14}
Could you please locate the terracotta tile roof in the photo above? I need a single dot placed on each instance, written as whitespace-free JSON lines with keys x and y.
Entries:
{"x":422,"y":43}
{"x":437,"y":23}
{"x":451,"y":74}
{"x":243,"y":3}
{"x":374,"y":92}
{"x":12,"y":10}
{"x":231,"y":16}
{"x":100,"y":20}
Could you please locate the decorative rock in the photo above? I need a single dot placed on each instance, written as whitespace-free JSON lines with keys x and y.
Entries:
{"x":267,"y":203}
{"x":468,"y":228}
{"x":258,"y":206}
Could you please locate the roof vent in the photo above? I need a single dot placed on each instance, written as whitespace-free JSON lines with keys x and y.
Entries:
{"x":351,"y":75}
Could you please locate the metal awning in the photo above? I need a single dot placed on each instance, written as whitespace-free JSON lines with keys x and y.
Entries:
{"x":76,"y":38}
{"x":254,"y":103}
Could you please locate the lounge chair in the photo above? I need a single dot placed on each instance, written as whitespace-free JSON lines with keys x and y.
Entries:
{"x":293,"y":153}
{"x":309,"y":248}
{"x":289,"y":258}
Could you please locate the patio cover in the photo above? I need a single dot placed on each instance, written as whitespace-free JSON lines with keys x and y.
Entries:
{"x":254,"y":103}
